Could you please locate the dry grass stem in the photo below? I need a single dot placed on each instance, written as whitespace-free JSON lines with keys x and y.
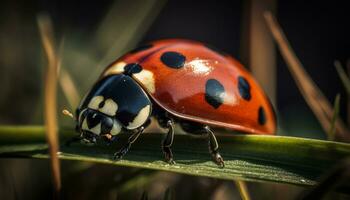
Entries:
{"x":343,"y":76}
{"x":311,"y":93}
{"x":67,"y":84}
{"x":50,"y":88}
{"x":69,"y":88}
{"x":243,"y":190}
{"x":331,"y":133}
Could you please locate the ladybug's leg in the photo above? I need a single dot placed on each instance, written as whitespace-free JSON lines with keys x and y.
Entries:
{"x":214,"y":147}
{"x":119,"y":155}
{"x":168,"y":141}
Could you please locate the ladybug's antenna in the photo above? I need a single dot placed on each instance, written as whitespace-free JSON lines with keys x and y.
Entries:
{"x":67,"y":113}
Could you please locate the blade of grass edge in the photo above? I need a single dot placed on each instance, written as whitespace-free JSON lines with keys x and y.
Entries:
{"x":247,"y":157}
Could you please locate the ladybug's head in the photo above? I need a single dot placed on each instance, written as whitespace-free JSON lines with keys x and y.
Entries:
{"x":94,"y":124}
{"x":115,"y":103}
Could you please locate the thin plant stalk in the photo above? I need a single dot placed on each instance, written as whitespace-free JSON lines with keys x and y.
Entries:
{"x":243,"y":190}
{"x":50,"y":106}
{"x":69,"y":88}
{"x":343,"y":76}
{"x":66,"y":82}
{"x":335,"y":116}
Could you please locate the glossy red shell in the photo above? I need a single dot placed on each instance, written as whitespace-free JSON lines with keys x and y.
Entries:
{"x":182,"y":91}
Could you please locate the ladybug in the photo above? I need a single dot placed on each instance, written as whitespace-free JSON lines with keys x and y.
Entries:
{"x":174,"y":80}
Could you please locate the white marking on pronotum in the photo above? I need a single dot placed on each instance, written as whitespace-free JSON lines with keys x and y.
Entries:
{"x":140,"y":118}
{"x":95,"y":101}
{"x":110,"y":107}
{"x":96,"y":129}
{"x":117,"y":68}
{"x":117,"y":127}
{"x":146,"y":78}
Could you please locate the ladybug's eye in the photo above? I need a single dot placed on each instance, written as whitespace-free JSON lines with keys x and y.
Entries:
{"x":95,"y":102}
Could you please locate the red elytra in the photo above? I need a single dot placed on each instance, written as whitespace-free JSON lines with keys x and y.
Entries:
{"x":182,"y":89}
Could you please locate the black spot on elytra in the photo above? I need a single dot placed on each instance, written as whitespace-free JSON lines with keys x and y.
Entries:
{"x":132,"y":68}
{"x":261,"y":116}
{"x":214,"y":93}
{"x":141,"y":48}
{"x":173,"y":59}
{"x":244,"y":88}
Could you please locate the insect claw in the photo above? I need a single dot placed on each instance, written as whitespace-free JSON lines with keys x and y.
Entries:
{"x":117,"y":156}
{"x":218,"y":160}
{"x":171,"y":161}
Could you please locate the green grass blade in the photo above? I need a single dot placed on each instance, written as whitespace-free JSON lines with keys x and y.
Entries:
{"x":247,"y":157}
